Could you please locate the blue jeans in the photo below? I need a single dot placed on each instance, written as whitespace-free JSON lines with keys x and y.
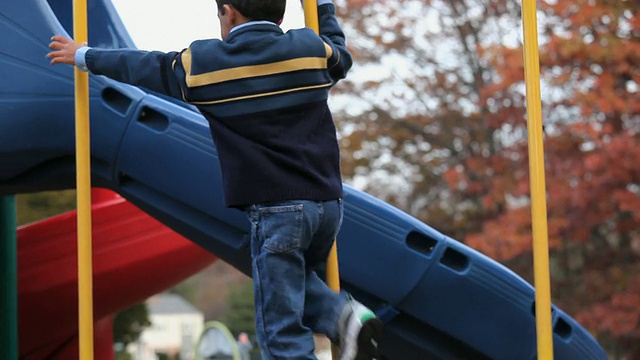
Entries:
{"x":289,"y":241}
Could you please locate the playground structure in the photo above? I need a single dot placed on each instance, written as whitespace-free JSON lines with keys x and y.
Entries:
{"x":135,"y":257}
{"x":438,"y":298}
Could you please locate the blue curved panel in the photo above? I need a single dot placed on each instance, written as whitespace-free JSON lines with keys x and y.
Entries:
{"x":439,"y":298}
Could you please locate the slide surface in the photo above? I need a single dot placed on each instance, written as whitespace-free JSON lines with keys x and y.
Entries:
{"x":134,"y":257}
{"x":439,"y":298}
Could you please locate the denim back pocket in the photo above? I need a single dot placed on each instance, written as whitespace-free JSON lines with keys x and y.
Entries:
{"x":280,"y":227}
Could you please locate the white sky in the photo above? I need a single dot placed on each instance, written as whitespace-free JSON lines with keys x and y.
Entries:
{"x":170,"y":25}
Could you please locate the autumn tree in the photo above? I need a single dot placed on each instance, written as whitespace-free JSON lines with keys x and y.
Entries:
{"x":432,"y":119}
{"x":589,"y":60}
{"x":422,"y":108}
{"x":38,"y":206}
{"x":241,"y":315}
{"x":129,"y":324}
{"x":594,"y":57}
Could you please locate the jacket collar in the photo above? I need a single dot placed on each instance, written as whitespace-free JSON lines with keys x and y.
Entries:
{"x":260,"y":25}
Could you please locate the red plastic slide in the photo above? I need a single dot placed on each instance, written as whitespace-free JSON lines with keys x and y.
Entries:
{"x":134,"y":257}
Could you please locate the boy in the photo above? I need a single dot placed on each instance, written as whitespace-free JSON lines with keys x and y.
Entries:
{"x":264,"y":93}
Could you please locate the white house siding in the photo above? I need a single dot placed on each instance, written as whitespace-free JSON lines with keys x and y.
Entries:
{"x":175,"y":328}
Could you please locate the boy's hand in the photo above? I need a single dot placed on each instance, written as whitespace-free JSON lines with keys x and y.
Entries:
{"x":63,"y":50}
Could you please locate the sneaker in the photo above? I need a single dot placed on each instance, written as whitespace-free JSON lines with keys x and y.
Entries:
{"x":360,"y":332}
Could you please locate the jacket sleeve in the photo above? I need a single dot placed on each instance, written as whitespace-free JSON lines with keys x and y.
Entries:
{"x":340,"y":61}
{"x":153,"y":70}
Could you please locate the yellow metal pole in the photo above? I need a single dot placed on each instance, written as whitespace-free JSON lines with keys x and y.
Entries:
{"x":311,"y":15}
{"x":83,"y":185}
{"x":538,"y":190}
{"x":333,"y":280}
{"x":333,"y":276}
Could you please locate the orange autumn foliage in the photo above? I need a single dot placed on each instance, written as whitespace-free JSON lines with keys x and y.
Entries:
{"x":455,"y":122}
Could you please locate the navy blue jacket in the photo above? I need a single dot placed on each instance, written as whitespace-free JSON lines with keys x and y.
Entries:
{"x":264,"y":93}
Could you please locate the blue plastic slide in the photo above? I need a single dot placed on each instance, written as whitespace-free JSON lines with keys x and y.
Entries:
{"x":439,"y":298}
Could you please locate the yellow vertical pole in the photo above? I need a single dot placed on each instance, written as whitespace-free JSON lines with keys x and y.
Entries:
{"x":538,"y":190}
{"x":311,"y":15}
{"x":83,"y":185}
{"x":333,"y":276}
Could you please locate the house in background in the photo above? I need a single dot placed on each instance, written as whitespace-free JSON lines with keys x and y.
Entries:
{"x":175,"y":328}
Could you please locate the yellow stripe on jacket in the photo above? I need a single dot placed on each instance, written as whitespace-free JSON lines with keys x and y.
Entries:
{"x":243,"y":72}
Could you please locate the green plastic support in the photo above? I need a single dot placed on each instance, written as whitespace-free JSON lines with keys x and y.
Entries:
{"x":9,"y":280}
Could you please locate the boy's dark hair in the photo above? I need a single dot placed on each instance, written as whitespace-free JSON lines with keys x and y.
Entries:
{"x":269,"y":10}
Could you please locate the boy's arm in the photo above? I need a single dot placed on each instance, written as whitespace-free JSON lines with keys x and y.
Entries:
{"x":340,"y":61}
{"x":152,"y":70}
